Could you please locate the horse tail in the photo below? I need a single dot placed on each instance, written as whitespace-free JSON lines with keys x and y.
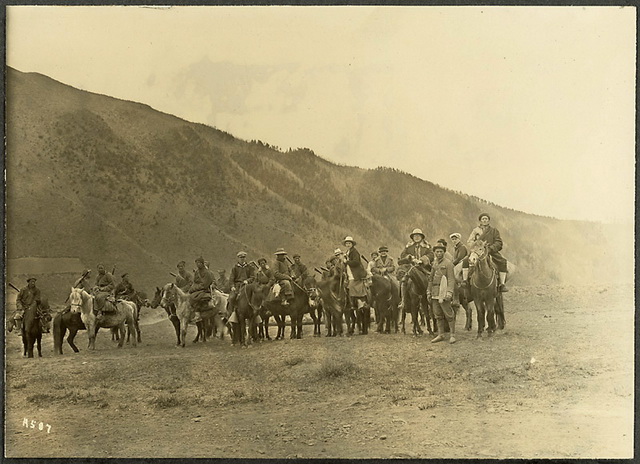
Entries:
{"x":57,"y":333}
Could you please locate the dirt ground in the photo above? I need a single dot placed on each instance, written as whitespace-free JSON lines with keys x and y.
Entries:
{"x":557,"y":382}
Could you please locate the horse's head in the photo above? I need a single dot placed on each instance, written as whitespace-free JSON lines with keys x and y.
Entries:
{"x":477,"y":252}
{"x":168,"y":295}
{"x":76,"y":300}
{"x":157,"y":296}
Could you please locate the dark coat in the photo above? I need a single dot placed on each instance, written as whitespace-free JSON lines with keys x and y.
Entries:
{"x":416,"y":250}
{"x":281,"y":270}
{"x":183,"y":282}
{"x":459,"y":253}
{"x":27,"y":296}
{"x":354,"y":262}
{"x":241,"y":273}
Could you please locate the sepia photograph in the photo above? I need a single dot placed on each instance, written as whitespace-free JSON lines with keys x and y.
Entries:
{"x":298,"y":232}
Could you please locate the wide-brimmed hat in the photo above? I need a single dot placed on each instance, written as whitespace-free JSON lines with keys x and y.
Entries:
{"x":439,"y":246}
{"x":455,"y":235}
{"x":261,"y":260}
{"x":280,"y":251}
{"x":31,"y":278}
{"x":416,"y":231}
{"x":242,"y":254}
{"x":383,"y":248}
{"x":483,"y":215}
{"x":349,"y":238}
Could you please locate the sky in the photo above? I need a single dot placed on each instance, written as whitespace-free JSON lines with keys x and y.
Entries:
{"x":532,"y":108}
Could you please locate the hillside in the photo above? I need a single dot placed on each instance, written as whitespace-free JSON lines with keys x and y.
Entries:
{"x":107,"y":180}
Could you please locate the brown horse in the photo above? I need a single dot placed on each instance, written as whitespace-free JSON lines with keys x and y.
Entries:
{"x":333,"y":294}
{"x":415,"y":300}
{"x":483,"y":286}
{"x":170,"y":308}
{"x":385,"y":298}
{"x":62,"y":322}
{"x":297,"y":308}
{"x":248,"y":303}
{"x":31,"y":330}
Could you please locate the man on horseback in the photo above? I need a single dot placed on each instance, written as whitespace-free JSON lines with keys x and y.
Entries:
{"x":223,"y":281}
{"x":241,"y":273}
{"x":383,"y":265}
{"x":200,"y":290}
{"x":103,"y":291}
{"x":299,"y":271}
{"x":184,"y":279}
{"x":264,"y":274}
{"x":124,"y":290}
{"x":412,"y":254}
{"x":282,"y":273}
{"x":459,"y":249}
{"x":491,"y":236}
{"x":27,"y":296}
{"x":440,"y":292}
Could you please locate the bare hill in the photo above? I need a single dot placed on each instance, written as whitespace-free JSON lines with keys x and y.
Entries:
{"x":113,"y":181}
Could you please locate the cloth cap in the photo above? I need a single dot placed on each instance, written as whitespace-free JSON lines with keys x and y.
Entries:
{"x":262,"y":260}
{"x":242,"y":254}
{"x":296,"y":255}
{"x":280,"y":251}
{"x":455,"y":235}
{"x":349,"y":238}
{"x":439,"y":246}
{"x":383,"y":248}
{"x":416,"y":231}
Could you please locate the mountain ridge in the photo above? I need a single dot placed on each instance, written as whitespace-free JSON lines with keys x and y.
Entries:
{"x":168,"y":189}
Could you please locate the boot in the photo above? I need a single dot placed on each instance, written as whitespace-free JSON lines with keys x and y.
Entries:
{"x":440,"y":336}
{"x":503,"y":278}
{"x":452,"y":337}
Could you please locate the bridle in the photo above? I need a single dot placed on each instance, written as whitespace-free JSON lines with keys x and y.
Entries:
{"x":477,"y":259}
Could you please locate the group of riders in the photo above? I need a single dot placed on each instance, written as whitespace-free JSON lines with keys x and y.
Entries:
{"x":438,"y":260}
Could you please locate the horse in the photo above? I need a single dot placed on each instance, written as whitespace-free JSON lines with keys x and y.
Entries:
{"x":125,"y":314}
{"x":385,"y":298}
{"x":296,"y":309}
{"x":62,"y":322}
{"x":415,"y":300}
{"x":139,"y":302}
{"x":248,"y":305}
{"x":484,"y":286}
{"x":31,"y":330}
{"x":214,"y":320}
{"x":333,"y":295}
{"x":170,"y":308}
{"x":184,"y":310}
{"x":462,"y":296}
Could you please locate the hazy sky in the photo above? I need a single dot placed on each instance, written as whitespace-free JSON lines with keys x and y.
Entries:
{"x":528,"y":107}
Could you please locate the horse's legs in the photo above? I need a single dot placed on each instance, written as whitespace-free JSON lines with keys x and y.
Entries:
{"x":491,"y":321}
{"x":70,"y":338}
{"x":39,"y":341}
{"x":294,"y":326}
{"x":404,"y":314}
{"x":184,"y":325}
{"x":176,"y":325}
{"x":198,"y":332}
{"x":480,"y":310}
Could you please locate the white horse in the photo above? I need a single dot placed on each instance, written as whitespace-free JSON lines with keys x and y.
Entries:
{"x":83,"y":302}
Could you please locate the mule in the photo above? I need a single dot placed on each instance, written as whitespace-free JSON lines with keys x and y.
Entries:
{"x":62,"y":322}
{"x":483,"y":286}
{"x":124,"y":315}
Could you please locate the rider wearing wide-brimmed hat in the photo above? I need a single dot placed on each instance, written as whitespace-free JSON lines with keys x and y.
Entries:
{"x":282,"y":273}
{"x":356,"y":273}
{"x":416,"y":248}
